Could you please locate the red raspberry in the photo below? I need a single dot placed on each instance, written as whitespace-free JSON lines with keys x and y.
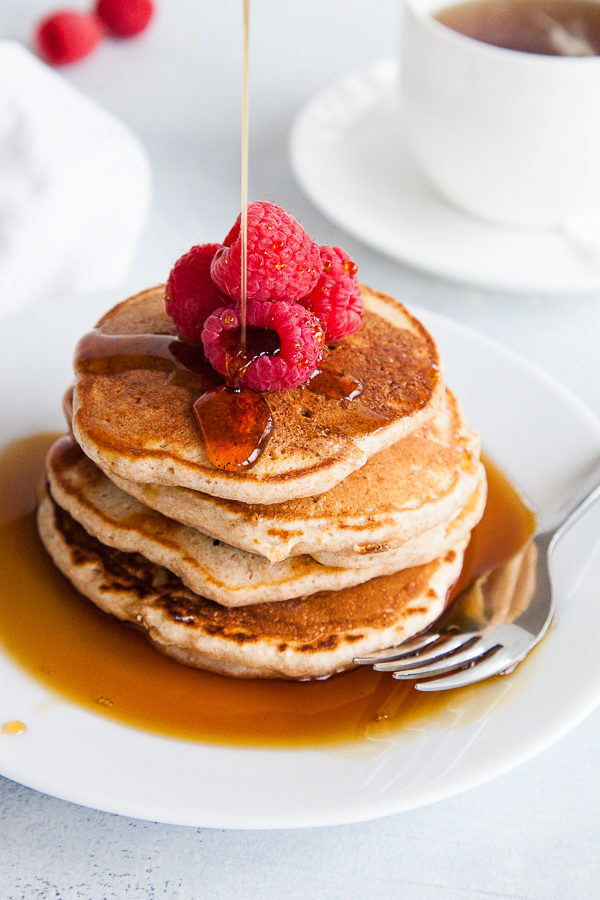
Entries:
{"x":283,"y":261}
{"x":67,"y":36}
{"x":289,"y":325}
{"x":190,"y":295}
{"x":124,"y":18}
{"x":336,"y":300}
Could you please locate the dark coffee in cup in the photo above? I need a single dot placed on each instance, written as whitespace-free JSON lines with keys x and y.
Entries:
{"x":547,"y":27}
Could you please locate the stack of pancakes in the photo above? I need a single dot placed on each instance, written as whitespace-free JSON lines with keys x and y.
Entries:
{"x":344,"y":538}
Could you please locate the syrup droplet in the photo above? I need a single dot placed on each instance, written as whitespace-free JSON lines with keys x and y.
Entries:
{"x":235,"y":425}
{"x":14,"y":728}
{"x":334,"y":384}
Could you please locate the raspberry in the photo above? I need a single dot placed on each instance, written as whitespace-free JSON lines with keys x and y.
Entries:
{"x":67,"y":36}
{"x":284,"y":343}
{"x":336,"y":300}
{"x":190,"y":295}
{"x":283,"y":261}
{"x":124,"y":18}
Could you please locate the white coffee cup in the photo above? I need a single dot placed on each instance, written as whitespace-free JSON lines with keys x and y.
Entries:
{"x":509,"y":136}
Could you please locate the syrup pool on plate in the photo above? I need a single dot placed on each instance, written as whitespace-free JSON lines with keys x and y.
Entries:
{"x":94,"y":660}
{"x":14,"y":728}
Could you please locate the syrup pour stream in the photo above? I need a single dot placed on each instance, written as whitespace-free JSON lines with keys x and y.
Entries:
{"x":236,"y":422}
{"x":244,"y":180}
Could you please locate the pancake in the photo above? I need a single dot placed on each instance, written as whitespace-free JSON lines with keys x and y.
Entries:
{"x":133,"y":401}
{"x":210,"y":567}
{"x":309,"y":638}
{"x":395,"y":555}
{"x":421,"y":482}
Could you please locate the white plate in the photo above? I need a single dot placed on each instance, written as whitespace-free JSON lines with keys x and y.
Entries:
{"x":535,"y":429}
{"x":349,"y":154}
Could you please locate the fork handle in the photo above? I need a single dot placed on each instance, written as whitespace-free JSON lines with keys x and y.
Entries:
{"x":584,"y":504}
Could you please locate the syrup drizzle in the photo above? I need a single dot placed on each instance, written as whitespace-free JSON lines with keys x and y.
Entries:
{"x":239,"y":447}
{"x":244,"y":180}
{"x":111,"y":354}
{"x":257,"y":342}
{"x":236,"y":422}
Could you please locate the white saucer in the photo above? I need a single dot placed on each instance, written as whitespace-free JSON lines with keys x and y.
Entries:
{"x":349,"y":154}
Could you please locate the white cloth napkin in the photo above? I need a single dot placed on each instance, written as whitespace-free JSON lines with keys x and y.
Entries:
{"x":74,"y":186}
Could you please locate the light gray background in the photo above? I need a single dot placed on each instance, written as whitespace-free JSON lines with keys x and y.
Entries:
{"x":532,"y":833}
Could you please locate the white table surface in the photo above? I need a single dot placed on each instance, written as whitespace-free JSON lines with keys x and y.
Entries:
{"x":532,"y":833}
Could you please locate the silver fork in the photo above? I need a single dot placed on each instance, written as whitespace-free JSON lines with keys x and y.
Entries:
{"x":491,"y":626}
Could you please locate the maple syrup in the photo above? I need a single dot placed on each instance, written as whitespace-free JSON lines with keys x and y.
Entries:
{"x":247,"y":413}
{"x":109,"y":354}
{"x":237,"y":446}
{"x":334,"y":385}
{"x":14,"y":728}
{"x":239,"y":355}
{"x":100,"y":663}
{"x":236,"y":422}
{"x":244,"y":177}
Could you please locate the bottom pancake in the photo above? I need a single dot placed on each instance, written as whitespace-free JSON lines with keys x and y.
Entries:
{"x":310,"y":637}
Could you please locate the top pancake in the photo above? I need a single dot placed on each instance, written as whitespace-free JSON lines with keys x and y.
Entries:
{"x":133,"y":406}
